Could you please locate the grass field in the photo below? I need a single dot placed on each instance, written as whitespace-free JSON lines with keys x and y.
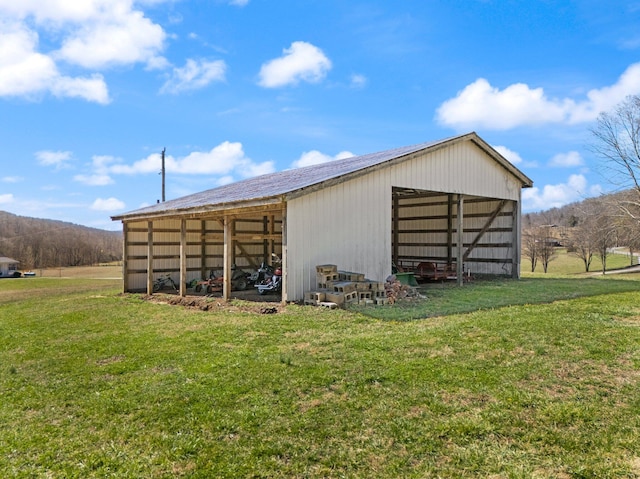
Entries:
{"x":537,"y":378}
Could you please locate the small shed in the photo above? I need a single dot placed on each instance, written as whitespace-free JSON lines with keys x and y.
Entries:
{"x":455,"y":201}
{"x":8,"y":266}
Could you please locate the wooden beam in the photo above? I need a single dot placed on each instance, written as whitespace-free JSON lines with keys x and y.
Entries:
{"x":484,"y":229}
{"x":284,"y":259}
{"x":226,"y":267}
{"x":396,"y":225}
{"x":449,"y":227}
{"x":125,"y":257}
{"x":183,"y":258}
{"x":203,"y":250}
{"x":516,"y":240}
{"x":244,"y":254}
{"x":149,"y":257}
{"x":460,"y":240}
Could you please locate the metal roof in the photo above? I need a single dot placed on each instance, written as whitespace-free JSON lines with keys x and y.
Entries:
{"x":287,"y":182}
{"x":5,"y":260}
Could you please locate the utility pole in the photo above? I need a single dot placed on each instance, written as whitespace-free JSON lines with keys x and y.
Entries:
{"x":163,"y":173}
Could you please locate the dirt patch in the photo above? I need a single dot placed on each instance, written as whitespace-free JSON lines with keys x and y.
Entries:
{"x":206,"y":303}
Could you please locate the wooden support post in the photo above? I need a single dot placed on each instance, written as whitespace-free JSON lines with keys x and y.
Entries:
{"x":203,"y":250}
{"x":183,"y":257}
{"x":460,"y":241}
{"x":226,"y":258}
{"x":396,"y":224}
{"x":125,"y":257}
{"x":284,"y":257}
{"x":515,"y":240}
{"x":149,"y":257}
{"x":449,"y":228}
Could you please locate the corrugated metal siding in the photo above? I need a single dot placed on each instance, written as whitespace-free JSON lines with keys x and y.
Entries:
{"x":346,"y":225}
{"x":460,"y":168}
{"x":350,"y":224}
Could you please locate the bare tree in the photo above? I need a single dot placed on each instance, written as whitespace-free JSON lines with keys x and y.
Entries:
{"x":530,"y":246}
{"x":617,"y":143}
{"x":581,"y":245}
{"x":546,"y":246}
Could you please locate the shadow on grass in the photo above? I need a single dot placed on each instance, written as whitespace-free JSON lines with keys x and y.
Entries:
{"x":443,"y":299}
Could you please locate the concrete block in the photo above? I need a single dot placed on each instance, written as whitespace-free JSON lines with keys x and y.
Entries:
{"x":323,"y":280}
{"x":381,"y":301}
{"x":316,"y":296}
{"x":351,"y":298}
{"x":364,"y":285}
{"x":343,"y":286}
{"x":349,"y":276}
{"x":334,"y":297}
{"x":326,"y":268}
{"x":328,"y":304}
{"x":364,"y":295}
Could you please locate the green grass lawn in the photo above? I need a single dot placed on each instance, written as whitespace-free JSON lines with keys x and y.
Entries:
{"x":511,"y":379}
{"x":566,"y":263}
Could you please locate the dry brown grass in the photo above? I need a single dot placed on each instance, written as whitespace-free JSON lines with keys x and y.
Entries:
{"x":109,"y":271}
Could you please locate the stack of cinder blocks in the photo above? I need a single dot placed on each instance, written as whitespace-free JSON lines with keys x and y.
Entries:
{"x":341,"y":288}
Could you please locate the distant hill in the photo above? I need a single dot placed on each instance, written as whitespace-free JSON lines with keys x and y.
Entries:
{"x":572,"y":214}
{"x":42,"y":243}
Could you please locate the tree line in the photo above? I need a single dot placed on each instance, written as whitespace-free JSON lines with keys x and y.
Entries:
{"x":40,"y":243}
{"x":594,"y":226}
{"x":588,"y":230}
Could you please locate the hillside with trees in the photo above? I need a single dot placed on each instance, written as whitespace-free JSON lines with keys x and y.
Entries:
{"x":588,"y":229}
{"x":42,"y":243}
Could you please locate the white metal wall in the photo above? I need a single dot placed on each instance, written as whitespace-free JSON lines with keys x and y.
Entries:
{"x":350,"y":224}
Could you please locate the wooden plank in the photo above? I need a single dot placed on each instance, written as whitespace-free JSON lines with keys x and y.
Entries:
{"x":484,"y":229}
{"x":150,"y":257}
{"x":515,"y":265}
{"x":227,"y":254}
{"x":125,"y":258}
{"x":183,"y":258}
{"x":460,"y":231}
{"x":396,"y":223}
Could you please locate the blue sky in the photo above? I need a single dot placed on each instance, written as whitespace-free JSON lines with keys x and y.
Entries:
{"x":91,"y":91}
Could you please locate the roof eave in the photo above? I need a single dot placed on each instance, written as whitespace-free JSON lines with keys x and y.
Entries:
{"x":268,"y":203}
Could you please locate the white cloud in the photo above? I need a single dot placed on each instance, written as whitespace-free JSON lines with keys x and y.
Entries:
{"x":553,"y":196}
{"x":300,"y":62}
{"x":567,"y":160}
{"x":113,"y":36}
{"x":239,"y":3}
{"x":194,"y":75}
{"x":109,"y":204}
{"x":6,"y":198}
{"x":314,"y":157}
{"x":94,"y":180}
{"x":12,"y":179}
{"x":59,"y":159}
{"x":226,"y":159}
{"x":358,"y":81}
{"x":604,"y":99}
{"x":510,"y":155}
{"x":25,"y":72}
{"x":480,"y":105}
{"x":92,"y":34}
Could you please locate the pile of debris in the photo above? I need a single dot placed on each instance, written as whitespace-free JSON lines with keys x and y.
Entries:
{"x":395,"y":290}
{"x":336,"y":288}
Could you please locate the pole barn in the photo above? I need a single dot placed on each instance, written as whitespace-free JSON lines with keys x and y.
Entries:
{"x":455,"y":201}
